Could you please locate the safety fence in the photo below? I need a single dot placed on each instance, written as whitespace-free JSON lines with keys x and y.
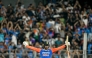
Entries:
{"x":33,"y":54}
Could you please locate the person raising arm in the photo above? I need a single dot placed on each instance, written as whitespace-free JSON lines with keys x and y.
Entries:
{"x":46,"y":52}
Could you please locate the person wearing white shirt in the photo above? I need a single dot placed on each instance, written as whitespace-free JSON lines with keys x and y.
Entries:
{"x":85,"y":20}
{"x":27,"y":34}
{"x":69,"y":8}
{"x":25,"y":18}
{"x":57,"y":28}
{"x":14,"y":39}
{"x":51,"y":22}
{"x":59,"y":10}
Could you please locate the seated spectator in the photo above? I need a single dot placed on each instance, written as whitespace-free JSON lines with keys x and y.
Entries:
{"x":58,"y":42}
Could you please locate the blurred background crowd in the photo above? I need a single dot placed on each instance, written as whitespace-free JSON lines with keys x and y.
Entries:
{"x":44,"y":23}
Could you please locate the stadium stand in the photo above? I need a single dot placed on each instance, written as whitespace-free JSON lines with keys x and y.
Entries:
{"x":45,"y":23}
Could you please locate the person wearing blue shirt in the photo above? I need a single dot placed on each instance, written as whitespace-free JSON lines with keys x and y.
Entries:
{"x":30,"y":54}
{"x":48,"y":25}
{"x":10,"y":47}
{"x":1,"y":37}
{"x":87,"y":30}
{"x":90,"y":18}
{"x":7,"y":40}
{"x":89,"y":48}
{"x":19,"y":54}
{"x":45,"y":52}
{"x":10,"y":32}
{"x":41,"y":36}
{"x":1,"y":47}
{"x":16,"y":33}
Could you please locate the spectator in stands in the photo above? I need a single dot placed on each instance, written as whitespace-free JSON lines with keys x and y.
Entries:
{"x":76,"y":54}
{"x":59,"y":41}
{"x":1,"y":36}
{"x":44,"y":23}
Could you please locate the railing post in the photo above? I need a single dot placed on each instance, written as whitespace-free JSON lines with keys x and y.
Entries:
{"x":9,"y":53}
{"x":85,"y":45}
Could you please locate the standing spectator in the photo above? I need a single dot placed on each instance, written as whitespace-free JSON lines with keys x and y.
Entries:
{"x":90,"y":16}
{"x":62,"y":32}
{"x":1,"y":47}
{"x":89,"y":47}
{"x":3,"y":11}
{"x":59,"y":41}
{"x":7,"y":39}
{"x":14,"y":40}
{"x":32,"y":40}
{"x":57,"y":27}
{"x":25,"y":18}
{"x":85,"y":20}
{"x":1,"y":36}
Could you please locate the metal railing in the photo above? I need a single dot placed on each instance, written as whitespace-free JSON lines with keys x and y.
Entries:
{"x":33,"y":54}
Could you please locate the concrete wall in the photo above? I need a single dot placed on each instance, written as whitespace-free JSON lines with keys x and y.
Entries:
{"x":13,"y":2}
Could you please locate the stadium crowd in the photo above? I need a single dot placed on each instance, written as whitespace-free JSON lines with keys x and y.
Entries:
{"x":44,"y":23}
